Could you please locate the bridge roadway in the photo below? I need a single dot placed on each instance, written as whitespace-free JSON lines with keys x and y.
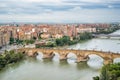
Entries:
{"x":82,"y":55}
{"x":108,"y":35}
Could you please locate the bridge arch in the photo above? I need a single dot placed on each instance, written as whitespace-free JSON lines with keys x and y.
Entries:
{"x":107,"y":58}
{"x":71,"y":58}
{"x":39,"y":56}
{"x":71,"y":55}
{"x":116,"y":60}
{"x":56,"y":56}
{"x":95,"y":58}
{"x":95,"y":61}
{"x":94,"y":53}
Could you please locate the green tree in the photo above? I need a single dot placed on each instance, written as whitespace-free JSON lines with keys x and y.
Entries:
{"x":59,"y":42}
{"x":104,"y":73}
{"x":65,"y":39}
{"x":96,"y":78}
{"x":110,"y":72}
{"x":10,"y":57}
{"x":85,"y":36}
{"x":2,"y":62}
{"x":11,"y":40}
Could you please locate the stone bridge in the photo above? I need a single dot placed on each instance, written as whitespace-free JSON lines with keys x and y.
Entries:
{"x":82,"y":55}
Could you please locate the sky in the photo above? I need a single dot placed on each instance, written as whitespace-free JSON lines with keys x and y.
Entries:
{"x":60,"y":11}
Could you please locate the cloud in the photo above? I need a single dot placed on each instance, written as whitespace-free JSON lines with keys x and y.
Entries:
{"x":76,"y":16}
{"x":109,"y":6}
{"x":91,"y":1}
{"x":77,"y":8}
{"x":60,"y":10}
{"x":42,"y":1}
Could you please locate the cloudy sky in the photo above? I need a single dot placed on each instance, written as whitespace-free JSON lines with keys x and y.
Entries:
{"x":60,"y":11}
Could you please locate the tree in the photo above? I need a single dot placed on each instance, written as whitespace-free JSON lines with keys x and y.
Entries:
{"x":11,"y":40}
{"x":59,"y":42}
{"x":65,"y":39}
{"x":96,"y":78}
{"x":110,"y":72}
{"x":10,"y":57}
{"x":2,"y":62}
{"x":85,"y":36}
{"x":104,"y":74}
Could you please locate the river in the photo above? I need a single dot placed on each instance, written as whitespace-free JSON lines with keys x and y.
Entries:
{"x":38,"y":69}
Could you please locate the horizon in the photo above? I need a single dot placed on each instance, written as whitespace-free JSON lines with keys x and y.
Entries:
{"x":58,"y":23}
{"x":60,"y":11}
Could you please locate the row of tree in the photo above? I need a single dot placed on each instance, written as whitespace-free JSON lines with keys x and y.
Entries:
{"x":85,"y":36}
{"x":63,"y":41}
{"x":109,"y":72}
{"x":17,"y":41}
{"x":109,"y":30}
{"x":50,"y":44}
{"x":66,"y":39}
{"x":9,"y":57}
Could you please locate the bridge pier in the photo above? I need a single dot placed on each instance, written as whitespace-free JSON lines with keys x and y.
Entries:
{"x":31,"y":53}
{"x":34,"y":54}
{"x":81,"y":59}
{"x":63,"y":56}
{"x":48,"y":55}
{"x":108,"y":61}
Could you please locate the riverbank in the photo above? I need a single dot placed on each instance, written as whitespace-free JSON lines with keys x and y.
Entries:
{"x":10,"y":47}
{"x":10,"y":57}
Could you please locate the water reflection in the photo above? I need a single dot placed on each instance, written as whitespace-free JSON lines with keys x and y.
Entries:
{"x":71,"y":58}
{"x":116,"y":60}
{"x":47,"y":60}
{"x":82,"y":65}
{"x":63,"y":63}
{"x":95,"y":62}
{"x":40,"y":56}
{"x":56,"y":57}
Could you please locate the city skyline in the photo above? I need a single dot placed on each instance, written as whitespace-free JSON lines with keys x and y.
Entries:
{"x":60,"y":11}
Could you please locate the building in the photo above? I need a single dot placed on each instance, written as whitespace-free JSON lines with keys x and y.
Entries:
{"x":4,"y":38}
